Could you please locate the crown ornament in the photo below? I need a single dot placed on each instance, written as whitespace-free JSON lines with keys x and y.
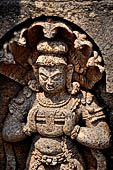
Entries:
{"x":54,"y":42}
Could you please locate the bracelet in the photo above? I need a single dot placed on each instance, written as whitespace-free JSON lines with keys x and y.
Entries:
{"x":27,"y":131}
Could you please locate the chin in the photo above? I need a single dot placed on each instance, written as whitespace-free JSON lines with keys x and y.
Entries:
{"x":52,"y":91}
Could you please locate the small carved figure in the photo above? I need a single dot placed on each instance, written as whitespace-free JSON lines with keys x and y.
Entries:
{"x":56,"y":109}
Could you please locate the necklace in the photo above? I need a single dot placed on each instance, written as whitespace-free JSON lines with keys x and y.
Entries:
{"x":48,"y":104}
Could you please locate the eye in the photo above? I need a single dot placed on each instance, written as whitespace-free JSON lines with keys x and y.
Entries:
{"x":57,"y":77}
{"x":43,"y":76}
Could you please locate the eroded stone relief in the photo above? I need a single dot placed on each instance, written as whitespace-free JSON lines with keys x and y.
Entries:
{"x":57,"y":67}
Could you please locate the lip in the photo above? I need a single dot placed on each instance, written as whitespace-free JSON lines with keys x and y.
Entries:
{"x":49,"y":87}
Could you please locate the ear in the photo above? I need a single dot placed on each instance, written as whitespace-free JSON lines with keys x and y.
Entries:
{"x":34,"y":82}
{"x":70,"y":69}
{"x":72,"y":87}
{"x":34,"y":85}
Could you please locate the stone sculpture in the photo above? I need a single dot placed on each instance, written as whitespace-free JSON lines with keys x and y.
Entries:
{"x":57,"y":99}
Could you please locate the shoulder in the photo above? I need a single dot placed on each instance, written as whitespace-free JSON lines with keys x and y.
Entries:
{"x":92,"y":111}
{"x":90,"y":102}
{"x":23,"y":101}
{"x":75,"y":101}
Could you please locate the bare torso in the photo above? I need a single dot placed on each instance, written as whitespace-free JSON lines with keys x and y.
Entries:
{"x":52,"y":125}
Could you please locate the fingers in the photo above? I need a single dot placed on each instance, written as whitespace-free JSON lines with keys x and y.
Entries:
{"x":75,"y":132}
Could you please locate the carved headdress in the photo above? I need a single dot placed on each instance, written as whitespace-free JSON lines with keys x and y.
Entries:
{"x":56,"y":53}
{"x":52,"y":53}
{"x":45,"y":41}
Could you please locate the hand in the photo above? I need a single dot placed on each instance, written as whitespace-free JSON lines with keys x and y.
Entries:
{"x":69,"y":123}
{"x":75,"y":132}
{"x":27,"y":130}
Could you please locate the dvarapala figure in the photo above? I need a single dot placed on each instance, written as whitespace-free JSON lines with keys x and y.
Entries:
{"x":55,"y":112}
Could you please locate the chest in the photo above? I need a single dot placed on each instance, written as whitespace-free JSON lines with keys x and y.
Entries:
{"x":54,"y":116}
{"x":51,"y":121}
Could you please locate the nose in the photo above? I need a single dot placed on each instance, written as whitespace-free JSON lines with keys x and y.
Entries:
{"x":49,"y":81}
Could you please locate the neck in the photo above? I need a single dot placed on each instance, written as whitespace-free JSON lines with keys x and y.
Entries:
{"x":59,"y":96}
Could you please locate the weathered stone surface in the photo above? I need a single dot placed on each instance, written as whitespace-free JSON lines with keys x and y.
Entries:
{"x":94,"y":17}
{"x":8,"y":89}
{"x":64,"y":62}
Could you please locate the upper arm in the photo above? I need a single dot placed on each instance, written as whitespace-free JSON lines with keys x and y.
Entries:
{"x":20,"y":105}
{"x":92,"y":113}
{"x":16,"y":119}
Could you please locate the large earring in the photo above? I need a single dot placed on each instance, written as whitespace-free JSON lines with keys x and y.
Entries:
{"x":34,"y":82}
{"x":72,"y":87}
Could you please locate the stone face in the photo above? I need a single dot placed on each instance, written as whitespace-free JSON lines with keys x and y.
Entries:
{"x":62,"y":61}
{"x":91,"y":23}
{"x":92,"y":16}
